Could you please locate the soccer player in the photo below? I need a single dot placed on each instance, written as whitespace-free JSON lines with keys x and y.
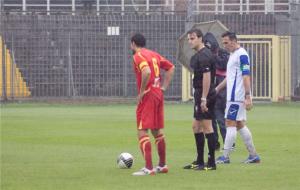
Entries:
{"x":150,"y":108}
{"x":238,"y":98}
{"x":203,"y":63}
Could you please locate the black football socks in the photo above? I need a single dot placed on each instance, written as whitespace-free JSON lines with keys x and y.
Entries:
{"x":200,"y":141}
{"x":211,"y":147}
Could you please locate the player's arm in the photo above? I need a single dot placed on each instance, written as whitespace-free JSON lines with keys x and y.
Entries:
{"x":247,"y":102}
{"x":206,"y":69}
{"x":245,"y":68}
{"x":170,"y":69}
{"x":168,"y":78}
{"x":221,"y":85}
{"x":146,"y":73}
{"x":144,"y":68}
{"x":206,"y":85}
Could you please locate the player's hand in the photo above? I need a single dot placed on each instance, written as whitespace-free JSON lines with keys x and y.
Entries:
{"x":248,"y":104}
{"x":217,"y":90}
{"x":162,"y":89}
{"x":141,"y":95}
{"x":203,"y":107}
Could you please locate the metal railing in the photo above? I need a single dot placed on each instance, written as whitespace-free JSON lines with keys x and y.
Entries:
{"x":124,"y":6}
{"x":245,"y":6}
{"x":98,"y":6}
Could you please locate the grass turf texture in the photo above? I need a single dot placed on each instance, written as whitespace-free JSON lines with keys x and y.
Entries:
{"x":76,"y":147}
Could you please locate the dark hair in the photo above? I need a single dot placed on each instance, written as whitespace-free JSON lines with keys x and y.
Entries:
{"x":198,"y":33}
{"x":231,"y":35}
{"x":139,"y":40}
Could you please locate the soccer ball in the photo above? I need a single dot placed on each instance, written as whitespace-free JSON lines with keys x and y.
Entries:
{"x":125,"y":160}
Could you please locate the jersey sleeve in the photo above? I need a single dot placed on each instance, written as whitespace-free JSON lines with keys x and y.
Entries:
{"x":245,"y":65}
{"x":165,"y":64}
{"x":140,"y":62}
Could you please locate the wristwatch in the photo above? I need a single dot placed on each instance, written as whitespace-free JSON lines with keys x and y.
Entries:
{"x":203,"y":99}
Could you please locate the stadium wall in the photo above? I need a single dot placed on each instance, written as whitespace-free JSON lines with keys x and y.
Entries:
{"x":65,"y":56}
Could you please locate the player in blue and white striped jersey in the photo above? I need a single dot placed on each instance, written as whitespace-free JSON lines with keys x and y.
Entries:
{"x":238,"y":98}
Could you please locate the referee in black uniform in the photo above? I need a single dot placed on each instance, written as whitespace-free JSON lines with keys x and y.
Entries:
{"x":203,"y":63}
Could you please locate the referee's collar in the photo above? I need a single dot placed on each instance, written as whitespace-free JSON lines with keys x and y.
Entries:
{"x":199,"y":50}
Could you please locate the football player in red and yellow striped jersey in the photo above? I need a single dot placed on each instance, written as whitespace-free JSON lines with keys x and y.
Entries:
{"x":147,"y":66}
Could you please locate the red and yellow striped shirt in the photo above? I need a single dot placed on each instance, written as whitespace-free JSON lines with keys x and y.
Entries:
{"x":146,"y":58}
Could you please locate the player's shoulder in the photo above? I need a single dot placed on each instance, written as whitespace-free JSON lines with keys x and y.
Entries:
{"x":142,"y":54}
{"x":242,"y":51}
{"x":206,"y":52}
{"x":147,"y":52}
{"x":156,"y":55}
{"x":153,"y":53}
{"x":205,"y":55}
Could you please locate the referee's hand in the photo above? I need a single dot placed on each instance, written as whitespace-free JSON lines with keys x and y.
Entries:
{"x":203,"y":107}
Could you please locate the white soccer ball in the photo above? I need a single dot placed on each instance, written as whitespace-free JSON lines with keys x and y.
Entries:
{"x":125,"y":160}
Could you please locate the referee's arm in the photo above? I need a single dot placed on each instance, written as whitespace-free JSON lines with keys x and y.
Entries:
{"x":206,"y":84}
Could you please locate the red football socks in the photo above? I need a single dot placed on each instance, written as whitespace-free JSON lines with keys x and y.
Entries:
{"x":161,"y":149}
{"x":145,"y":145}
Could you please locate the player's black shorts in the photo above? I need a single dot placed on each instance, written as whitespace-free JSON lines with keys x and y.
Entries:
{"x":210,"y":104}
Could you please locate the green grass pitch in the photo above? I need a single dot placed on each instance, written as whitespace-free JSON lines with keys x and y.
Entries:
{"x":51,"y":147}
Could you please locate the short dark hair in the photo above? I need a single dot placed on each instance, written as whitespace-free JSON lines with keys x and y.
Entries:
{"x":198,"y":33}
{"x":139,"y":40}
{"x":231,"y":35}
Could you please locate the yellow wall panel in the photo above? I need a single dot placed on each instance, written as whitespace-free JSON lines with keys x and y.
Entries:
{"x":15,"y":85}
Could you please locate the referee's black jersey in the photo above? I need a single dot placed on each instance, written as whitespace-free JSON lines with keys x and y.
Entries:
{"x":202,"y":62}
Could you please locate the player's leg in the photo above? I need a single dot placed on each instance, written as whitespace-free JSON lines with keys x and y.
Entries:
{"x":206,"y":123}
{"x":230,"y":136}
{"x":198,"y":132}
{"x":230,"y":122}
{"x":209,"y":134}
{"x":200,"y":141}
{"x":229,"y":140}
{"x":231,"y":114}
{"x":159,"y":137}
{"x":145,"y":144}
{"x":160,"y":143}
{"x":247,"y":139}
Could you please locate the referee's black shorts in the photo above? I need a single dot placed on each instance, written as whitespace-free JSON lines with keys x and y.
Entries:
{"x":210,"y":104}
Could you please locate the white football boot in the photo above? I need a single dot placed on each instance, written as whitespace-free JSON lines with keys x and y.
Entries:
{"x":145,"y":171}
